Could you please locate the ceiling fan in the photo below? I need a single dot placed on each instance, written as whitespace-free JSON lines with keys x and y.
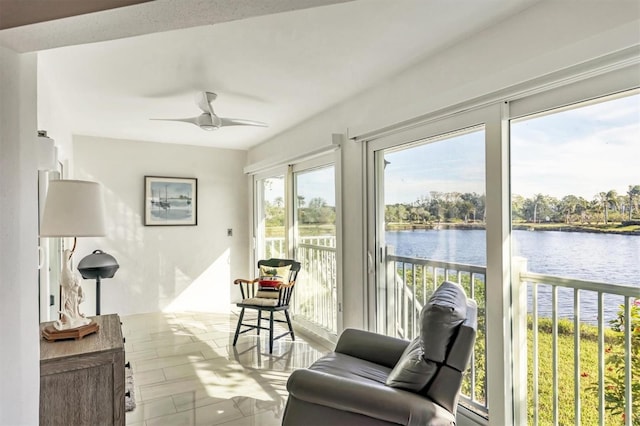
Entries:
{"x":208,"y":120}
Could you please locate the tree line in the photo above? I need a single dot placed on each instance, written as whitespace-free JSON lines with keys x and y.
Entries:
{"x":604,"y":207}
{"x":316,"y":212}
{"x":469,"y":207}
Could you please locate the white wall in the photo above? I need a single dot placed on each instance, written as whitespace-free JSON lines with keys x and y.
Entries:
{"x":19,"y":333}
{"x":170,"y":268}
{"x":548,"y":37}
{"x":53,"y":119}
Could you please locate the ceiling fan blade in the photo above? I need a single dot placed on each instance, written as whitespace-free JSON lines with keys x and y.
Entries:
{"x":192,"y":120}
{"x":204,"y":99}
{"x":240,"y":122}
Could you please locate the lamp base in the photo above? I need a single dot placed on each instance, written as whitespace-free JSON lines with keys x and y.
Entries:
{"x":51,"y":334}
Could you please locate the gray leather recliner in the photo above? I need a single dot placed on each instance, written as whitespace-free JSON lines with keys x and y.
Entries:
{"x":348,"y":386}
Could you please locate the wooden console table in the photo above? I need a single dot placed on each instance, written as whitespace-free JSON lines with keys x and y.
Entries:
{"x":82,"y":381}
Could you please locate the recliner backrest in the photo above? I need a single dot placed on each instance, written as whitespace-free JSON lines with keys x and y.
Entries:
{"x":444,"y":388}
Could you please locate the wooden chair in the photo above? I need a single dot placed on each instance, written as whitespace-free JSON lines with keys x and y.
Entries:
{"x":274,"y":298}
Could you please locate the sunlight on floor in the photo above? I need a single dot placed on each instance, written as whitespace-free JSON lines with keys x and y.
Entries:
{"x":187,"y":372}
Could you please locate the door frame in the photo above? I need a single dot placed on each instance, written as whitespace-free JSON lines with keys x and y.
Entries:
{"x":500,"y":383}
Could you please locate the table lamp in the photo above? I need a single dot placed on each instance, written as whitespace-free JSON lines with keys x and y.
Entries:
{"x":73,"y":208}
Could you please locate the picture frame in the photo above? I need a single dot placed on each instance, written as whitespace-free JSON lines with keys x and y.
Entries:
{"x":170,"y":201}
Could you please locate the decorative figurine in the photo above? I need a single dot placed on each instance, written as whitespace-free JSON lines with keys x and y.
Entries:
{"x":71,"y":297}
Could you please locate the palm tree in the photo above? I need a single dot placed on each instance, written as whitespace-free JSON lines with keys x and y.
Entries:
{"x":465,"y":209}
{"x":633,"y":193}
{"x":601,"y":199}
{"x":611,"y":202}
{"x":568,"y":205}
{"x":538,"y":200}
{"x":607,"y":199}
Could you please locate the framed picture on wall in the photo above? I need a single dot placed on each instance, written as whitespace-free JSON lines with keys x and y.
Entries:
{"x":170,"y":201}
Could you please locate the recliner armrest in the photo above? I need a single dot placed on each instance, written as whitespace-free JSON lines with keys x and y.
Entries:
{"x":373,"y":347}
{"x":376,"y":401}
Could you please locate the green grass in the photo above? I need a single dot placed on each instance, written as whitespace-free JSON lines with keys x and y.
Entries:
{"x":589,"y":411}
{"x":588,"y":374}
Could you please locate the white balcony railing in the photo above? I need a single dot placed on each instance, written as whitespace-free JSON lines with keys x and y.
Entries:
{"x":409,"y":282}
{"x":412,"y":280}
{"x":315,"y":297}
{"x":569,"y":386}
{"x":316,"y":291}
{"x":274,"y":248}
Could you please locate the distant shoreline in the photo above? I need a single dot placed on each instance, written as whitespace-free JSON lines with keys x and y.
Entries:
{"x":620,"y":229}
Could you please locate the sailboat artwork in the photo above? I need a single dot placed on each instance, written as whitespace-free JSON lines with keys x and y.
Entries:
{"x":170,"y":201}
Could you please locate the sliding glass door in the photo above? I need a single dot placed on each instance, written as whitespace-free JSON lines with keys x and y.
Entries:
{"x":270,"y":214}
{"x":315,"y":245}
{"x":295,"y":217}
{"x":429,"y":205}
{"x":433,"y":199}
{"x":575,"y":195}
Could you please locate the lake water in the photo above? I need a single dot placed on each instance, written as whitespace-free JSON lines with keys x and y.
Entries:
{"x":606,"y":258}
{"x":179,"y":210}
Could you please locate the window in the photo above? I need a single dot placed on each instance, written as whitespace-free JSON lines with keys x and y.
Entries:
{"x":315,"y":246}
{"x":430,"y":221}
{"x":271,"y":218}
{"x":575,"y":188}
{"x":296,"y":218}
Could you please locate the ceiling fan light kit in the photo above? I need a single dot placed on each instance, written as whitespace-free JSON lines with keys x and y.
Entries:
{"x":208,"y":120}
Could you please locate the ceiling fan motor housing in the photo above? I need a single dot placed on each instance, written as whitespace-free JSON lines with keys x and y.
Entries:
{"x":208,"y":122}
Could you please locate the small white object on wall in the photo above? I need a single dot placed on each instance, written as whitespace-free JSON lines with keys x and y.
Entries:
{"x":47,"y":152}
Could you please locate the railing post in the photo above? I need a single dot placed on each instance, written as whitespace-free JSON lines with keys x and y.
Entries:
{"x":519,"y":294}
{"x":390,"y":291}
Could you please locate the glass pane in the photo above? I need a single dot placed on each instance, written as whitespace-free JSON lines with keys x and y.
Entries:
{"x":434,"y":230}
{"x":271,"y":218}
{"x":315,"y":241}
{"x":575,"y":193}
{"x":316,"y":206}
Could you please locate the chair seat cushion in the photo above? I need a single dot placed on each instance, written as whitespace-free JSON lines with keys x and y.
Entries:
{"x":351,"y":384}
{"x":259,"y":301}
{"x":349,"y":367}
{"x":267,"y":294}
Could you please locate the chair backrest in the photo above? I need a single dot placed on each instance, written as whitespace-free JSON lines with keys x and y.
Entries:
{"x":444,"y":388}
{"x":285,"y":293}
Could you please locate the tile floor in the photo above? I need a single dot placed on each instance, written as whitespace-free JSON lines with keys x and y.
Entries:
{"x":187,"y":372}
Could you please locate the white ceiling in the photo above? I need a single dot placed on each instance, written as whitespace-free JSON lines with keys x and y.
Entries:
{"x":280,"y":68}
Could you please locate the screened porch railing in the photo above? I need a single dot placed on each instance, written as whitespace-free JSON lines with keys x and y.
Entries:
{"x":413,"y":280}
{"x":617,"y":369}
{"x":410,"y":281}
{"x":315,"y":297}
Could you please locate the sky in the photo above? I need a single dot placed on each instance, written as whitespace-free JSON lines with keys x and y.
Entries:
{"x":580,"y":151}
{"x":454,"y":164}
{"x":314,"y":183}
{"x":170,"y":189}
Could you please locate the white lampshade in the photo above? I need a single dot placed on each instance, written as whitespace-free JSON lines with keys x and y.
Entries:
{"x":74,"y":208}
